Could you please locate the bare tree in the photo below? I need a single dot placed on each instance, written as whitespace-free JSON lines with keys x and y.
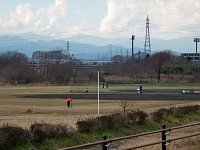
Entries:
{"x":125,"y":106}
{"x":158,"y":60}
{"x":14,"y":67}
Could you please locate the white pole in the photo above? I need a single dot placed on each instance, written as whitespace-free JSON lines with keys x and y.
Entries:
{"x":98,"y":92}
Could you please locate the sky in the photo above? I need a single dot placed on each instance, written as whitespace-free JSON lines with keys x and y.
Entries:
{"x":105,"y":18}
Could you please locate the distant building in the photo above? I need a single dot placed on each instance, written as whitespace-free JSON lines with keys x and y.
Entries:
{"x":193,"y":57}
{"x":41,"y":59}
{"x":50,"y":56}
{"x":95,"y":62}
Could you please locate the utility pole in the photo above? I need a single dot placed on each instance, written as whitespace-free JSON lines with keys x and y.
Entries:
{"x":133,"y":37}
{"x":67,"y":53}
{"x":139,"y":53}
{"x":147,"y":44}
{"x":196,"y":40}
{"x":110,"y":53}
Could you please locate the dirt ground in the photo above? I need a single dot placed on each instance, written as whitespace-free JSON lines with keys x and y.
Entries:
{"x":123,"y":96}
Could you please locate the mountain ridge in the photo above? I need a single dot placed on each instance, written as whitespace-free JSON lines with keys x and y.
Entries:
{"x":89,"y":46}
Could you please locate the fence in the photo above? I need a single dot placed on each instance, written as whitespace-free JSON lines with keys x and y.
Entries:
{"x":164,"y":132}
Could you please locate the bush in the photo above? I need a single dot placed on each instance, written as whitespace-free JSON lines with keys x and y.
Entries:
{"x":181,"y":111}
{"x":42,"y":131}
{"x":12,"y":136}
{"x":102,"y":122}
{"x":160,"y":114}
{"x":85,"y":126}
{"x":137,"y":117}
{"x":177,"y":112}
{"x":29,"y":111}
{"x":116,"y":120}
{"x":105,"y":122}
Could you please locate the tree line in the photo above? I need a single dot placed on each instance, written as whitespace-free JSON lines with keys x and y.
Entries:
{"x":163,"y":66}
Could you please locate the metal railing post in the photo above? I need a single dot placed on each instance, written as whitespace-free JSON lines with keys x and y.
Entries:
{"x":106,"y":143}
{"x":164,"y":137}
{"x":104,"y":147}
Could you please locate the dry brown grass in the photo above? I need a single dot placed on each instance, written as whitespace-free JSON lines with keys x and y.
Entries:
{"x":13,"y":110}
{"x":13,"y":107}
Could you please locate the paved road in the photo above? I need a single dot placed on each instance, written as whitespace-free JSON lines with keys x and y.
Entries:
{"x":122,"y":96}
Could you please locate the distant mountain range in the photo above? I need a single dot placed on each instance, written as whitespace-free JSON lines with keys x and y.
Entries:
{"x":89,"y":47}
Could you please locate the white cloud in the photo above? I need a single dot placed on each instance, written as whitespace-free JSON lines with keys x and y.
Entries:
{"x":27,"y":18}
{"x":168,"y":18}
{"x":57,"y":12}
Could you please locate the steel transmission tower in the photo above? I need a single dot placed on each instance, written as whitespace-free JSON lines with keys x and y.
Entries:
{"x":67,"y":52}
{"x":147,"y":44}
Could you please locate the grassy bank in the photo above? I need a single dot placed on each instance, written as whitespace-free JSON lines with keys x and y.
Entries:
{"x":171,"y":117}
{"x":170,"y":121}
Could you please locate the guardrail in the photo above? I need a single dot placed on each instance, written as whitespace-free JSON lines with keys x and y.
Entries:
{"x":164,"y":132}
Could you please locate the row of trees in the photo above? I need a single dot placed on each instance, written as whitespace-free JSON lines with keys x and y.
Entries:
{"x":161,"y":65}
{"x":15,"y":68}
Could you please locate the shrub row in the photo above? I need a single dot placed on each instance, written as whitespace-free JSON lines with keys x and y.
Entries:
{"x":11,"y":135}
{"x":177,"y":112}
{"x":118,"y":120}
{"x":42,"y":131}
